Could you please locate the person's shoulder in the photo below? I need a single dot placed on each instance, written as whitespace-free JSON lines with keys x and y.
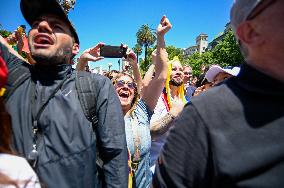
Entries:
{"x":100,"y":79}
{"x":141,"y":105}
{"x":220,"y":92}
{"x":13,"y":163}
{"x":12,"y":61}
{"x":18,"y":168}
{"x":12,"y":158}
{"x":143,"y":108}
{"x":190,"y":86}
{"x":216,"y":99}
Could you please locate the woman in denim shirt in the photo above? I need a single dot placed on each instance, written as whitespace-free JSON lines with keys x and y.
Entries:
{"x":138,"y":106}
{"x":138,"y":110}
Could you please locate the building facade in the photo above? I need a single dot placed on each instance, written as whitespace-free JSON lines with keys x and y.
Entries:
{"x":200,"y":47}
{"x":219,"y":38}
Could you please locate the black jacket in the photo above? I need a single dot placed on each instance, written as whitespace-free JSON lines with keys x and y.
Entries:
{"x":228,"y":136}
{"x":66,"y":143}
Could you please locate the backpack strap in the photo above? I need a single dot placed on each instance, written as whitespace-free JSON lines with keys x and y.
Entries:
{"x":87,"y":93}
{"x":87,"y":96}
{"x":16,"y":77}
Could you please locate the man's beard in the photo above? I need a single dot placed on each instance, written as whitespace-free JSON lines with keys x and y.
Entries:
{"x":61,"y":56}
{"x":175,"y":83}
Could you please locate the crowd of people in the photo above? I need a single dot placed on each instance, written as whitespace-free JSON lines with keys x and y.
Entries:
{"x":65,"y":127}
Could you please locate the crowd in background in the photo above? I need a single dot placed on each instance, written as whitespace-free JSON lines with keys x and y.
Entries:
{"x":167,"y":128}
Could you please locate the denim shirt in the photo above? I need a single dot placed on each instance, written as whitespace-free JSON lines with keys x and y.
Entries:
{"x":142,"y":114}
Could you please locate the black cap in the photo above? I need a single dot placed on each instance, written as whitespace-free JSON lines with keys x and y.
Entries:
{"x":32,"y":9}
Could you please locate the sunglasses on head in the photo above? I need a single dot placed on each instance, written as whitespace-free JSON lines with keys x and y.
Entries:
{"x":121,"y":83}
{"x":260,"y":8}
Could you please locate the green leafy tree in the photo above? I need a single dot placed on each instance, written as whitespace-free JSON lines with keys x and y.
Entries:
{"x":173,"y":51}
{"x":227,"y":52}
{"x":195,"y":61}
{"x":137,"y":50}
{"x":146,"y":37}
{"x":4,"y":33}
{"x":144,"y":65}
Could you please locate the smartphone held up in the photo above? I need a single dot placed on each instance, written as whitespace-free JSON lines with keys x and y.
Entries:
{"x":108,"y":51}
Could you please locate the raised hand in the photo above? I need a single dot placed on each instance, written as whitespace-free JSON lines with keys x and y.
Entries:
{"x":154,"y":56}
{"x":92,"y":54}
{"x":131,"y":57}
{"x":164,"y":26}
{"x":177,"y":106}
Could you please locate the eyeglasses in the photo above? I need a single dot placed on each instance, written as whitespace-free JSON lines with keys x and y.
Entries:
{"x":187,"y":73}
{"x":121,"y":83}
{"x":260,"y":8}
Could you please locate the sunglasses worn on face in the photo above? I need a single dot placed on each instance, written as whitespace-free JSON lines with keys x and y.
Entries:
{"x":187,"y":73}
{"x":121,"y":83}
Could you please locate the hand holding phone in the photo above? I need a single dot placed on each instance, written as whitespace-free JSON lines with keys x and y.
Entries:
{"x":113,"y":51}
{"x":131,"y":57}
{"x":91,"y":54}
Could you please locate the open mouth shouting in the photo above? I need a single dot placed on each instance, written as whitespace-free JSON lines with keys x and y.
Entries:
{"x":43,"y":41}
{"x":125,"y":89}
{"x":124,"y":95}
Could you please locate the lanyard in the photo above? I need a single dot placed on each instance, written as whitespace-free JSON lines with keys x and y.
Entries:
{"x":33,"y":155}
{"x":137,"y":143}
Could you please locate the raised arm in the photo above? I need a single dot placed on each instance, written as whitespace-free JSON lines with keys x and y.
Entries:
{"x":91,"y":54}
{"x":10,"y":49}
{"x":149,"y":74}
{"x":163,"y":124}
{"x":132,"y":59}
{"x":151,"y":93}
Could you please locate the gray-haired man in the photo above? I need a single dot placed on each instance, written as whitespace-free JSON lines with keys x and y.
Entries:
{"x":232,"y":136}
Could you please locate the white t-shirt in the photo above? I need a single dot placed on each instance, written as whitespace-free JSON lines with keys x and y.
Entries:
{"x":157,"y":143}
{"x":17,"y":168}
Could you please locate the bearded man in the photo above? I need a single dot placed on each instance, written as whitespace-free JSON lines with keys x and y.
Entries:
{"x":169,"y":105}
{"x":49,"y":126}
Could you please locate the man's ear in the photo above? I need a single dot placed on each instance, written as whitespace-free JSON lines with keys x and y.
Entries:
{"x":75,"y":49}
{"x":248,"y":34}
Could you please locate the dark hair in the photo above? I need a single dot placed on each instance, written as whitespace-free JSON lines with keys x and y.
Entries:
{"x":204,"y":81}
{"x":206,"y":68}
{"x":5,"y":129}
{"x":5,"y":141}
{"x":110,"y":74}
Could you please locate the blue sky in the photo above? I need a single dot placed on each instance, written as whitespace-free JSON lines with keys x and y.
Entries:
{"x":116,"y":21}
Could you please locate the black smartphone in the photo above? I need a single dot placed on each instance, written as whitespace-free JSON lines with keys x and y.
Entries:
{"x":113,"y":51}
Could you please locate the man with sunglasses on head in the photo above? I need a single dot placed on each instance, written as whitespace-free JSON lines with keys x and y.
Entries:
{"x":49,"y":126}
{"x":232,"y":135}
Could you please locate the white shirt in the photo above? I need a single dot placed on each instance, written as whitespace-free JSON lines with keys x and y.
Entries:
{"x":17,"y":168}
{"x":157,"y":143}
